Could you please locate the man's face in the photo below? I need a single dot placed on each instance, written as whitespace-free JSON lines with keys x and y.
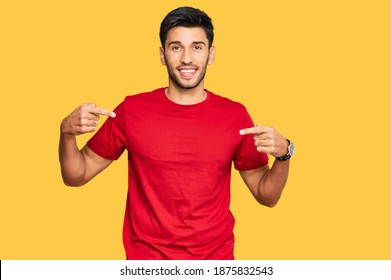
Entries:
{"x":186,"y":55}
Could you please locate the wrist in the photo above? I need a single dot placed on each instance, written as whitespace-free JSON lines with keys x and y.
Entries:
{"x":66,"y":128}
{"x":290,"y":150}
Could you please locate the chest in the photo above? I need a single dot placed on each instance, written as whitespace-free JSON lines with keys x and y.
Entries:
{"x":205,"y":136}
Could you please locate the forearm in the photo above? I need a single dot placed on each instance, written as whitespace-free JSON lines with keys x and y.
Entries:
{"x":73,"y":165}
{"x":272,"y":184}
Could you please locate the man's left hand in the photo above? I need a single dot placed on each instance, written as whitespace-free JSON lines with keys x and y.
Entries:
{"x":267,"y":140}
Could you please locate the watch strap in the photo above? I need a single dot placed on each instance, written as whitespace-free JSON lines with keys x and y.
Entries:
{"x":288,"y":155}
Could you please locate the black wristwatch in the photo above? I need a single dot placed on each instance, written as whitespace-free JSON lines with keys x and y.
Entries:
{"x":291,"y":151}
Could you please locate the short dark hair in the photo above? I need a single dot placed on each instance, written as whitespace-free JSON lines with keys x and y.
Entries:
{"x":187,"y":17}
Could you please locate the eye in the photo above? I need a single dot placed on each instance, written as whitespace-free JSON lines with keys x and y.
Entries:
{"x":175,"y":48}
{"x":198,"y":47}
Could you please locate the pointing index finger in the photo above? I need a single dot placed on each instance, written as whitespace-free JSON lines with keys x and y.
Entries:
{"x":102,"y":111}
{"x":245,"y":131}
{"x":252,"y":130}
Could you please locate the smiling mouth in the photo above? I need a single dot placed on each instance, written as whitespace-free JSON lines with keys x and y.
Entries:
{"x":187,"y":72}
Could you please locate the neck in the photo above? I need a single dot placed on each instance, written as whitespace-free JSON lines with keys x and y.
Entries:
{"x":186,"y":96}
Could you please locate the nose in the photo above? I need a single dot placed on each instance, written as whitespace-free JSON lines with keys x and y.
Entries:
{"x":186,"y":57}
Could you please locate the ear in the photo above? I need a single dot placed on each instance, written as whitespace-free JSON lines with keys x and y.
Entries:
{"x":162,"y":56}
{"x":212,"y":55}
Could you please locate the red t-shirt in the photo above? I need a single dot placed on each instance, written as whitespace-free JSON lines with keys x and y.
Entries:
{"x":180,"y":159}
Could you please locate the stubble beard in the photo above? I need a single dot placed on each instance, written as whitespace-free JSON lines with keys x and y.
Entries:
{"x":176,"y":80}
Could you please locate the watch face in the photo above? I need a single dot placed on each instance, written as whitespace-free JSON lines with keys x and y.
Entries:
{"x":291,"y":149}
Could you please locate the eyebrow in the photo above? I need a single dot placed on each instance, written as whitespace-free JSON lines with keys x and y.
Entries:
{"x":179,"y":43}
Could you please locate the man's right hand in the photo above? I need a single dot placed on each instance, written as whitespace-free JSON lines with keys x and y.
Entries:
{"x":84,"y":119}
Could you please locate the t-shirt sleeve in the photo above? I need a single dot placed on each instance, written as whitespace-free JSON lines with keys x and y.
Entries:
{"x":109,"y":141}
{"x":247,"y":157}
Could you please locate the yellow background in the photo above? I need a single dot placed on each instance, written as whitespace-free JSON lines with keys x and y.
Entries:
{"x":318,"y":71}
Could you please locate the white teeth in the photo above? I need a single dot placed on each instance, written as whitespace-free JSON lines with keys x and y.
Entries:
{"x":188,"y":71}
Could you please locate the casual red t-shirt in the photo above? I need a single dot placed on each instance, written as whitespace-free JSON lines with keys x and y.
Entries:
{"x":180,"y":159}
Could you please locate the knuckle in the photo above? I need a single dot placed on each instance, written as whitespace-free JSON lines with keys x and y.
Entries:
{"x":83,"y":115}
{"x":87,"y":106}
{"x":85,"y":129}
{"x":83,"y":106}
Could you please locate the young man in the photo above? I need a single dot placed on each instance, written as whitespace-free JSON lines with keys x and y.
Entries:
{"x":181,"y":142}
